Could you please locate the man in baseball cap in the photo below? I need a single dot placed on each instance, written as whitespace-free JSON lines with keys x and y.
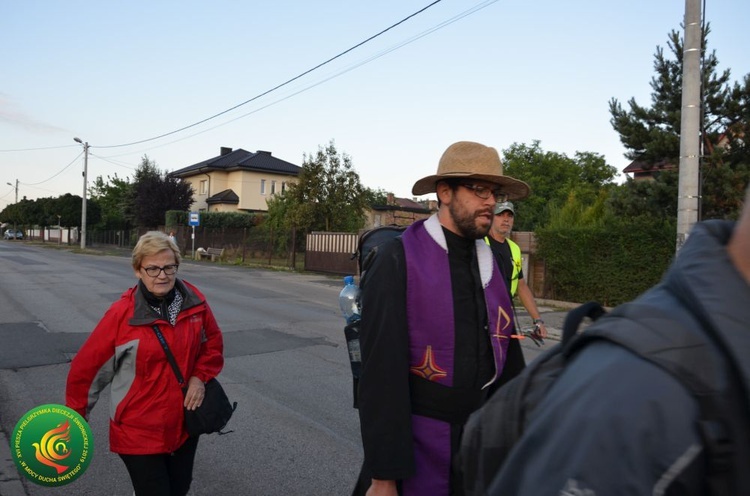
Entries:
{"x":508,"y":256}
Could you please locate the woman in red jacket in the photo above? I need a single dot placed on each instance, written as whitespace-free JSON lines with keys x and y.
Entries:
{"x":146,"y":411}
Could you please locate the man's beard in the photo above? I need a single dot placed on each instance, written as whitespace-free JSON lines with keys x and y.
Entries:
{"x":466,"y":223}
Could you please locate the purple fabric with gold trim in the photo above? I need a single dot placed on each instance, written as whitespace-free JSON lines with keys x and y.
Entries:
{"x":429,"y":308}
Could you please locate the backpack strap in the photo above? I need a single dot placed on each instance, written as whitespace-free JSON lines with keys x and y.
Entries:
{"x":680,"y":351}
{"x":574,"y":318}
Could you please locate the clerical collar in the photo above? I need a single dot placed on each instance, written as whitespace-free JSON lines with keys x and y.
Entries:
{"x":458,"y":245}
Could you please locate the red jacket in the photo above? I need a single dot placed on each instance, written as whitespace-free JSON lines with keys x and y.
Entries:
{"x":146,"y":411}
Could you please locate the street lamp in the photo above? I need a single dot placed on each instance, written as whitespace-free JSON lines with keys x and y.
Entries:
{"x":83,"y":205}
{"x":16,"y":188}
{"x":14,"y":222}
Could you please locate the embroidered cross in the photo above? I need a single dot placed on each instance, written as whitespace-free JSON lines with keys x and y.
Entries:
{"x":429,"y":369}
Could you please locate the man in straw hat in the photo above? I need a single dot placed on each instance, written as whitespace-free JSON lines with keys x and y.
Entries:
{"x":436,"y":323}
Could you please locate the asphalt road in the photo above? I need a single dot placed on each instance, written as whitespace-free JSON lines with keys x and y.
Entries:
{"x":295,"y":432}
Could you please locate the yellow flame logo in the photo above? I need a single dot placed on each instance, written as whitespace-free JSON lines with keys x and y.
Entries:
{"x":53,"y":447}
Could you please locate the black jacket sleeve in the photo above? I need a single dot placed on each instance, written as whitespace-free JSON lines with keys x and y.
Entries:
{"x":383,"y":396}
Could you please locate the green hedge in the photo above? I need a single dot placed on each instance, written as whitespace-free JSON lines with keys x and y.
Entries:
{"x":214,"y":219}
{"x":611,"y":263}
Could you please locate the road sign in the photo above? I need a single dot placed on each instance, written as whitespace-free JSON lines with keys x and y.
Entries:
{"x":195,"y":219}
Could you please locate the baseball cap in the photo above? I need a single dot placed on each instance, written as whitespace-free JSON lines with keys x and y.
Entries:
{"x":503,"y":206}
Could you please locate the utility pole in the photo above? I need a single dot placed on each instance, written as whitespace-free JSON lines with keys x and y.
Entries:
{"x":688,"y":196}
{"x":83,"y":204}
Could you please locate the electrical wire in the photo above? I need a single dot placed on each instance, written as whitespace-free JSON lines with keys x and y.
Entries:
{"x":350,"y":68}
{"x":275,"y":88}
{"x":39,"y":148}
{"x":60,"y":172}
{"x":279,"y":85}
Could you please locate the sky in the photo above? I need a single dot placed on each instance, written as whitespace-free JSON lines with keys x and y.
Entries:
{"x":119,"y":74}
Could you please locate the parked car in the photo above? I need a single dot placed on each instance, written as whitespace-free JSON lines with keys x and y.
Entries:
{"x":11,"y":234}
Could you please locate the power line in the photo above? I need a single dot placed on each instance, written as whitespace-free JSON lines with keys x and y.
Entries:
{"x":356,"y":65}
{"x":279,"y":85}
{"x":39,"y":148}
{"x":60,"y":172}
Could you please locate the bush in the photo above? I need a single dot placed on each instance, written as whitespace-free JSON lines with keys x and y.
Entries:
{"x":612,"y":261}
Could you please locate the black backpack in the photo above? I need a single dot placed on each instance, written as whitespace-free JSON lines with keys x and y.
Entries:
{"x":370,"y":241}
{"x":367,"y":250}
{"x":487,"y":442}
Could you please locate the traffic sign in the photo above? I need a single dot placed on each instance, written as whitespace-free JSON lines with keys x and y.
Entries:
{"x":195,"y":219}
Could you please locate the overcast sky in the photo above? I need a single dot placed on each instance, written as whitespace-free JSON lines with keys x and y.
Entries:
{"x":498,"y":72}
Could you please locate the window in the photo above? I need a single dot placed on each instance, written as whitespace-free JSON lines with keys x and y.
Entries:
{"x":262,"y":186}
{"x":273,"y":187}
{"x":283,"y":186}
{"x":204,"y":187}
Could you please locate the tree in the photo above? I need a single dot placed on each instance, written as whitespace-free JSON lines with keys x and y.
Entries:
{"x":45,"y":211}
{"x":376,"y":197}
{"x":552,"y":178}
{"x":154,"y":193}
{"x":652,"y":135}
{"x":114,"y":198}
{"x":328,"y":195}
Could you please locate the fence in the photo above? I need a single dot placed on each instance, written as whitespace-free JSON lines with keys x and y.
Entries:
{"x":331,"y":252}
{"x":241,"y":245}
{"x":326,"y":252}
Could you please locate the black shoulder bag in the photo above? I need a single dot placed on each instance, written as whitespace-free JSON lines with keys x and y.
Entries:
{"x":216,"y":409}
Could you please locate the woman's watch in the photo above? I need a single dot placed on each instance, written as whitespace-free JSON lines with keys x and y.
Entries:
{"x":538,"y":321}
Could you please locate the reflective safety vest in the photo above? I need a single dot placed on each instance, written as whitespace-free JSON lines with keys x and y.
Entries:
{"x":515,"y":255}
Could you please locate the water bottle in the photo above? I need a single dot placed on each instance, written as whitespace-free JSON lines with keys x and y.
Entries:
{"x":349,"y":300}
{"x":349,"y":303}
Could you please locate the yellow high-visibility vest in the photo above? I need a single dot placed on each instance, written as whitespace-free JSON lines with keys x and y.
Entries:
{"x":515,"y":255}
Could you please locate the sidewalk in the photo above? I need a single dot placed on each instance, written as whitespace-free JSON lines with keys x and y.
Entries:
{"x":553,"y":313}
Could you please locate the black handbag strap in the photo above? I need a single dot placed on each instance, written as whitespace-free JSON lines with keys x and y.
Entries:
{"x":170,"y":356}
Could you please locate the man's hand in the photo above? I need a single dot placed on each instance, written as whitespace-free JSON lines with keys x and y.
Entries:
{"x":540,"y":330}
{"x":382,"y":488}
{"x":195,"y":393}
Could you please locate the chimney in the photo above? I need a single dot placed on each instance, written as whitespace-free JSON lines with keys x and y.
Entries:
{"x":225,"y":150}
{"x":390,"y":200}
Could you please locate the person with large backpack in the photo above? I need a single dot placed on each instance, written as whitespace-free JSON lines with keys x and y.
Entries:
{"x":435,"y":326}
{"x":652,"y":398}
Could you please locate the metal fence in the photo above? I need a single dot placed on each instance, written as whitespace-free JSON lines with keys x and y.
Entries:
{"x":241,"y":245}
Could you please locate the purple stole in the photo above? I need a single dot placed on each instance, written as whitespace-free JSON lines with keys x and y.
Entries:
{"x":429,"y":310}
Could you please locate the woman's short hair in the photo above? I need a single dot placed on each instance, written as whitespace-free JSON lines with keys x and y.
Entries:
{"x":151,"y":243}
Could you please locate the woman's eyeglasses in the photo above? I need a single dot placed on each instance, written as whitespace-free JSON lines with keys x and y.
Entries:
{"x":154,"y":271}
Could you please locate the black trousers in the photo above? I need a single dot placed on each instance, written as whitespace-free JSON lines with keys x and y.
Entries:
{"x":167,"y":474}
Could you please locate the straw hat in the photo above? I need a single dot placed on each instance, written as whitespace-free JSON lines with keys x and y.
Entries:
{"x":470,"y":160}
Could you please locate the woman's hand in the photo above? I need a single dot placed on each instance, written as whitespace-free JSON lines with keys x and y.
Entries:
{"x":195,"y":393}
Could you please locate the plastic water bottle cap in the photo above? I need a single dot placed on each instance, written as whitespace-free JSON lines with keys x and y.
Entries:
{"x":348,"y":280}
